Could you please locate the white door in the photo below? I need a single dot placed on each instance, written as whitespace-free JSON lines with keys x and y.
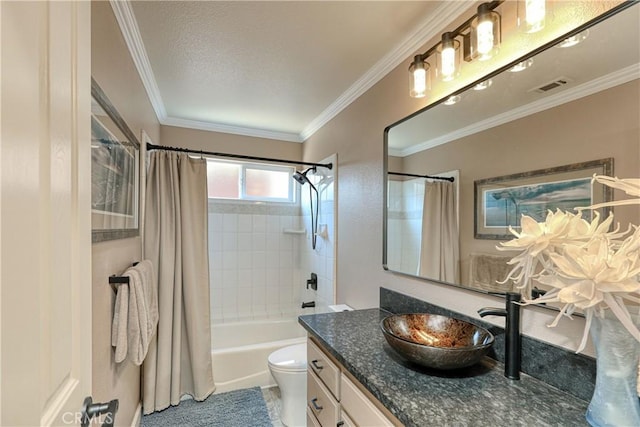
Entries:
{"x":45,"y":230}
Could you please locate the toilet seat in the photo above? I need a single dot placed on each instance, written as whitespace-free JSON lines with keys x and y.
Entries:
{"x":289,"y":359}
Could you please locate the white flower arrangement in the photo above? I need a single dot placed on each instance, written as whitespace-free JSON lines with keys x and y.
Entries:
{"x":586,"y":265}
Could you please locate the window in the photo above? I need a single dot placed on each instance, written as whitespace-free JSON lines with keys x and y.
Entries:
{"x":249,"y":181}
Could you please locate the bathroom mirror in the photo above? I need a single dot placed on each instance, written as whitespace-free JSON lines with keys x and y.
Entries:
{"x":115,"y":163}
{"x":573,"y":108}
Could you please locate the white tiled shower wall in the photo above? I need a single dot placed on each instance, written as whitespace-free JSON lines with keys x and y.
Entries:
{"x":253,"y":265}
{"x":404,"y":222}
{"x":321,"y":260}
{"x":257,"y":269}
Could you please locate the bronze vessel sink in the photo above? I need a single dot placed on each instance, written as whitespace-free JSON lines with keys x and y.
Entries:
{"x":436,"y":341}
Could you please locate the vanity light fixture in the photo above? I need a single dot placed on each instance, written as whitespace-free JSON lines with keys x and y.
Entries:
{"x":483,"y":85}
{"x":521,"y":66}
{"x":448,"y":57}
{"x":574,"y":40}
{"x":477,"y":38}
{"x":532,"y":15}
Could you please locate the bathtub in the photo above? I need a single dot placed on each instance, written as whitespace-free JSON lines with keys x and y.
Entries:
{"x":240,"y":351}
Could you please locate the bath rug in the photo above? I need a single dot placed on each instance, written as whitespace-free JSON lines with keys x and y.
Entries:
{"x":238,"y":408}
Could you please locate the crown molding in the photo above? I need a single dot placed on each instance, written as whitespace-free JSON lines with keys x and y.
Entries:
{"x":129,"y":28}
{"x":428,"y":29}
{"x":424,"y":32}
{"x":616,"y":78}
{"x":235,"y":130}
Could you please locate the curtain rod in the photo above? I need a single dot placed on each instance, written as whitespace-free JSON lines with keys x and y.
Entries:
{"x":443,"y":178}
{"x":237,"y":156}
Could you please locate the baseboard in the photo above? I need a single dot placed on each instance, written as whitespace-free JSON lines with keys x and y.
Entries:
{"x":137,"y":416}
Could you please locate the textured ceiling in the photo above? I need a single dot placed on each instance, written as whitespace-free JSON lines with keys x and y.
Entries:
{"x":267,"y":66}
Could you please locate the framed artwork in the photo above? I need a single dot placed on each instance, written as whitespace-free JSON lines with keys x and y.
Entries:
{"x":115,"y":166}
{"x":500,"y":202}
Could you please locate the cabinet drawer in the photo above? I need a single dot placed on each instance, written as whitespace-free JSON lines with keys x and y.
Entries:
{"x":346,"y":421}
{"x":311,"y":419}
{"x":321,"y":402}
{"x":324,"y":368}
{"x":359,"y":408}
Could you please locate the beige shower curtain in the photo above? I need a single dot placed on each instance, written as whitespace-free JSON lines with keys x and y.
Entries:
{"x":179,"y":358}
{"x":440,"y":245}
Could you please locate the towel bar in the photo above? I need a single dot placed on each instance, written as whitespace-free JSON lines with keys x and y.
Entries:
{"x":119,"y":280}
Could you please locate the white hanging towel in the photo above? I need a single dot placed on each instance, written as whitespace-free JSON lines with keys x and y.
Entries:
{"x":119,"y":326}
{"x":138,"y":321}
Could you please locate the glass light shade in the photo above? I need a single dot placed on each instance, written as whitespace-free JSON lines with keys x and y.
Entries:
{"x":448,"y":57}
{"x":532,"y":15}
{"x":485,"y":33}
{"x":419,"y":79}
{"x":521,"y":66}
{"x":483,"y":85}
{"x":574,"y":40}
{"x":453,"y":99}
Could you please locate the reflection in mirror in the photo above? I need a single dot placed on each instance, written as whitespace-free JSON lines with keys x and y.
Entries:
{"x":414,"y":201}
{"x":562,"y":107}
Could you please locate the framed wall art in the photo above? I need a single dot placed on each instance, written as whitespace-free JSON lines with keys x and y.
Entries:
{"x":500,"y":202}
{"x":115,"y":166}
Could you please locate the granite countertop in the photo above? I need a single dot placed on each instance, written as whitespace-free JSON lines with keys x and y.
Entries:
{"x":476,"y":396}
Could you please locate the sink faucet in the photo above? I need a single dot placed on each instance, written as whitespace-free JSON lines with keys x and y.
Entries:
{"x":513,"y":341}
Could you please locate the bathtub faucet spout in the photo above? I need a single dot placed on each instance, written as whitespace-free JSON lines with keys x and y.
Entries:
{"x":308,"y":304}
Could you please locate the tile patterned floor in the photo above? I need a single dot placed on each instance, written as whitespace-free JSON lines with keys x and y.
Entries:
{"x":272,"y":398}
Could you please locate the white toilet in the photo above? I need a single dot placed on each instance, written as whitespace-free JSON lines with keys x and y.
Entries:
{"x":288,"y":366}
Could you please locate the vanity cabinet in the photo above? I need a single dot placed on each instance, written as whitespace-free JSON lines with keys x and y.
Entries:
{"x":335,"y":399}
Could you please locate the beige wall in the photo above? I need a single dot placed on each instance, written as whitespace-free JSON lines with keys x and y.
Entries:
{"x":113,"y":69}
{"x":194,"y":139}
{"x":356,"y":134}
{"x":599,"y":126}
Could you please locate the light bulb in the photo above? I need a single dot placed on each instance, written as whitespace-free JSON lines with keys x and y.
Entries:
{"x":448,"y":63}
{"x":535,"y":12}
{"x":449,"y":57}
{"x":419,"y":82}
{"x":485,"y":38}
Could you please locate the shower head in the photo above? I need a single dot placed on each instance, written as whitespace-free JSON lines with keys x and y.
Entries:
{"x":301,"y":177}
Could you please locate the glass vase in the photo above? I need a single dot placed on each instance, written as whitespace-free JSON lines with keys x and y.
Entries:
{"x":615,"y":399}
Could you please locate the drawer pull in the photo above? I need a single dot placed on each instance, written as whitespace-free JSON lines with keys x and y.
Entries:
{"x":315,"y":404}
{"x":316,"y":366}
